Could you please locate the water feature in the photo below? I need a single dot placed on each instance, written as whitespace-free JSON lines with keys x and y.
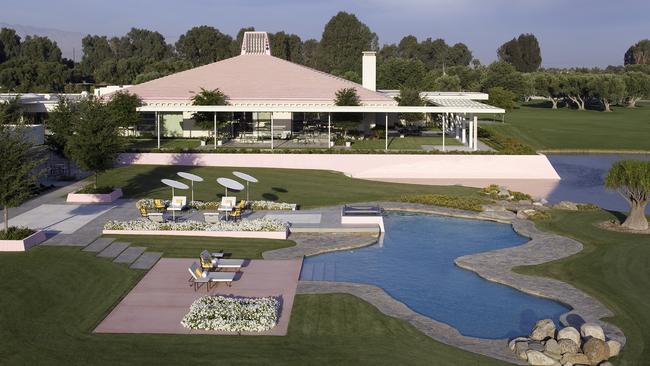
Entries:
{"x":415,"y":265}
{"x":583,"y":179}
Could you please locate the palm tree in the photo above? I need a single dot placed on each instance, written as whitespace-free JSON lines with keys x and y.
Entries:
{"x":631,"y":178}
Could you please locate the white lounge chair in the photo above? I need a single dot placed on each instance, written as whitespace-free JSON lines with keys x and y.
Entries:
{"x":200,"y":277}
{"x":228,"y":202}
{"x":178,"y":203}
{"x":216,"y":261}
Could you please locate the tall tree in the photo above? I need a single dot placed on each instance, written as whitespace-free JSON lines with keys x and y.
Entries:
{"x":501,"y":98}
{"x":347,"y":121}
{"x":638,"y":54}
{"x":607,"y":88}
{"x":408,"y":47}
{"x":343,"y":40}
{"x":287,"y":46}
{"x":39,"y":49}
{"x":210,"y":120}
{"x":18,"y":168}
{"x":637,"y":85}
{"x":96,"y":140}
{"x":522,"y":52}
{"x":549,"y":86}
{"x":121,"y":108}
{"x":10,"y":42}
{"x":447,"y":83}
{"x":398,"y":73}
{"x":96,"y":50}
{"x":434,"y":53}
{"x":61,"y":122}
{"x":410,"y":97}
{"x":459,"y":55}
{"x":576,"y":88}
{"x":203,"y":45}
{"x":631,"y":178}
{"x":503,"y":74}
{"x":11,"y":112}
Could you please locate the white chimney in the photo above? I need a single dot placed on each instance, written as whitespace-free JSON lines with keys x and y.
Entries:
{"x":369,"y":70}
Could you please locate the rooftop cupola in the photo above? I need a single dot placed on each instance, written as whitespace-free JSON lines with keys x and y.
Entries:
{"x":255,"y":43}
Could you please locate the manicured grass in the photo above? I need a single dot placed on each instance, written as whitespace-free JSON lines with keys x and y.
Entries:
{"x":308,"y":188}
{"x":50,"y":321}
{"x":166,"y":143}
{"x":406,"y":143}
{"x":613,"y":267}
{"x":545,"y":128}
{"x":190,"y":247}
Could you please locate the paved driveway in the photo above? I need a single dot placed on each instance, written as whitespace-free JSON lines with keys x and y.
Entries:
{"x":61,"y":218}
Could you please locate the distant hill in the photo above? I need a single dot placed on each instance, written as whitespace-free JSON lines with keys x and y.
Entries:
{"x":69,"y":42}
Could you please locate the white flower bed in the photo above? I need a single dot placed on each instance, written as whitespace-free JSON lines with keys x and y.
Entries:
{"x":232,"y":314}
{"x":262,"y":224}
{"x":270,"y":205}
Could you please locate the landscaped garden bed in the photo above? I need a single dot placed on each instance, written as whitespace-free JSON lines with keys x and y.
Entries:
{"x":257,"y":228}
{"x":148,"y":204}
{"x":233,"y":314}
{"x":95,"y":195}
{"x":20,"y":239}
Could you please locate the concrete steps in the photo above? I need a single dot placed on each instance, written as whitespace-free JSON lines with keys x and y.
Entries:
{"x":146,"y":260}
{"x":113,"y":250}
{"x":98,"y":245}
{"x":129,"y":255}
{"x":123,"y":253}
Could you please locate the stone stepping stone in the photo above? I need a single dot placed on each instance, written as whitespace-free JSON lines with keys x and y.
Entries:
{"x":98,"y":245}
{"x":146,"y":260}
{"x":130,"y":255}
{"x":113,"y":250}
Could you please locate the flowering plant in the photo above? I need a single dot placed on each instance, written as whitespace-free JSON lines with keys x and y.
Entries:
{"x":147,"y":203}
{"x":270,"y":205}
{"x":232,"y":314}
{"x":262,"y":224}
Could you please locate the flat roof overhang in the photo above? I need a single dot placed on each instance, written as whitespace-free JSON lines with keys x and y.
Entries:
{"x":321,"y":109}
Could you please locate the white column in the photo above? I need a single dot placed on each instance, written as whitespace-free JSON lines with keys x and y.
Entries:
{"x":271,"y":130}
{"x":444,"y":123}
{"x":215,"y":130}
{"x":463,"y":136}
{"x":475,"y":133}
{"x":158,"y":128}
{"x":329,"y":130}
{"x":470,"y":135}
{"x":386,"y":132}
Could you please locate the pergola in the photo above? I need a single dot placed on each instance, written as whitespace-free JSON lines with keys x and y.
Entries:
{"x":450,"y":109}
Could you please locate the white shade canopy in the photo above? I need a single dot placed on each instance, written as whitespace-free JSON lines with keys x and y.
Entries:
{"x":190,"y":176}
{"x":246,"y":177}
{"x":175,"y":184}
{"x":230,"y":183}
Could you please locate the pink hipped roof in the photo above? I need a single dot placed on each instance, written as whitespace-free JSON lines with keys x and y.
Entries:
{"x":255,"y":79}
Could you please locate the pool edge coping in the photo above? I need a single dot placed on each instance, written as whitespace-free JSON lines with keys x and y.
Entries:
{"x":495,"y":266}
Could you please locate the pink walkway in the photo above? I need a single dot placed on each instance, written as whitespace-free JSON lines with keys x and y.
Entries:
{"x":161,"y":299}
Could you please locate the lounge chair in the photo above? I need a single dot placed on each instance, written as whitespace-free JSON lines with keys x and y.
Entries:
{"x":215,"y":261}
{"x":178,"y":202}
{"x":228,"y":202}
{"x":200,"y":277}
{"x":236,"y":214}
{"x":159,"y":205}
{"x":153,"y":216}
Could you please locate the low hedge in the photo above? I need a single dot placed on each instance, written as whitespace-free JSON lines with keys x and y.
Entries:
{"x":503,"y":144}
{"x":16,"y":233}
{"x":95,"y":190}
{"x":461,"y":203}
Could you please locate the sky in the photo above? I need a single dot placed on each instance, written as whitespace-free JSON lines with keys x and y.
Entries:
{"x":570,"y":32}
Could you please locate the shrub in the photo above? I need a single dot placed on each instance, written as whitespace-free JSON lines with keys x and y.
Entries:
{"x":242,"y":225}
{"x":587,"y":207}
{"x":519,"y":196}
{"x":16,"y":233}
{"x":232,"y":314}
{"x":505,"y":145}
{"x":461,"y":203}
{"x":540,"y":215}
{"x":493,"y":192}
{"x":90,"y":189}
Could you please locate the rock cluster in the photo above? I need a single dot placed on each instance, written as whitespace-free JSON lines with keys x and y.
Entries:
{"x":547,"y":346}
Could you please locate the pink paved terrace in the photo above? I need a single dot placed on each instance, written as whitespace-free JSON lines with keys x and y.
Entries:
{"x":161,"y":299}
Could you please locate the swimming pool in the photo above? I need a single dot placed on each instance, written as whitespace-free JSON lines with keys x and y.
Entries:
{"x":415,"y":265}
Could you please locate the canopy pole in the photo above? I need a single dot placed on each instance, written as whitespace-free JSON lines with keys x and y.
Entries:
{"x":444,"y":122}
{"x":215,"y":130}
{"x":158,"y":128}
{"x":173,"y":211}
{"x":386,"y":148}
{"x":475,"y":133}
{"x":329,"y":130}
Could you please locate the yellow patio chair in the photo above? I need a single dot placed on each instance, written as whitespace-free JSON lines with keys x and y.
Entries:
{"x":143,"y":212}
{"x":159,"y":205}
{"x":236,"y":214}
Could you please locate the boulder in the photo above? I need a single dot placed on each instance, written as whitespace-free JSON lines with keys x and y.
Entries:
{"x":566,"y":205}
{"x":537,"y":358}
{"x":575,"y":359}
{"x":503,"y":192}
{"x":592,"y":330}
{"x":514,"y":341}
{"x":543,"y":329}
{"x":520,"y":350}
{"x":606,"y":363}
{"x":614,"y":347}
{"x":525,"y":202}
{"x":596,"y":351}
{"x":535,"y":345}
{"x":568,"y":346}
{"x":551,"y":346}
{"x":521,"y":214}
{"x":569,"y":333}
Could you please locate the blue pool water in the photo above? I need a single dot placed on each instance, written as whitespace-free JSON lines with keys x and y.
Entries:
{"x":415,"y":265}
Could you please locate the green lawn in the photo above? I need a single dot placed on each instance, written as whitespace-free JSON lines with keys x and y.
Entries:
{"x":406,"y":143}
{"x":545,"y":128}
{"x":166,"y":143}
{"x":308,"y":188}
{"x":614,"y":268}
{"x":188,"y":247}
{"x":49,"y":321}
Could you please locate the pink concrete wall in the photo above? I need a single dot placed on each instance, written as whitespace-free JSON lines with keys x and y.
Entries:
{"x":22,"y":245}
{"x":212,"y":234}
{"x":364,"y":220}
{"x":94,"y":198}
{"x":371,"y":166}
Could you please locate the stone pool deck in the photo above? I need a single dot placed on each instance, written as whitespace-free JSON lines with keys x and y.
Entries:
{"x":494,"y":266}
{"x":159,"y":301}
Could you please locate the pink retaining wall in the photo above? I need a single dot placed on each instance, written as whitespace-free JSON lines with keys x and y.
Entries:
{"x":371,"y":166}
{"x":94,"y":198}
{"x":213,"y":234}
{"x":22,"y":245}
{"x":370,"y":220}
